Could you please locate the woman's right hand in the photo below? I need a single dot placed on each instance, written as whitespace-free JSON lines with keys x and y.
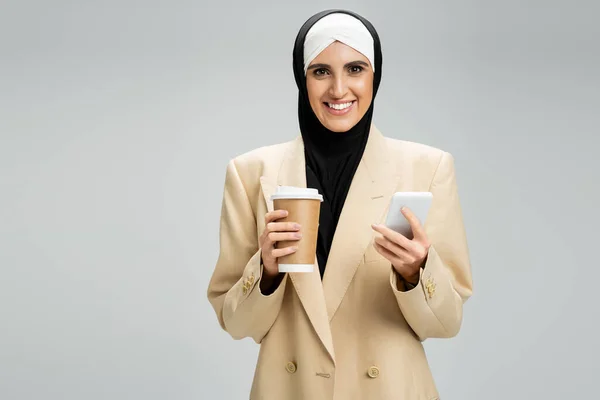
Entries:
{"x":276,"y":232}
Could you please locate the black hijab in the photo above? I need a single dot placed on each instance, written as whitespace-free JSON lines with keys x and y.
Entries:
{"x":331,"y":157}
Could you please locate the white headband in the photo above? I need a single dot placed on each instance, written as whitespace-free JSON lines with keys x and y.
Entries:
{"x":343,"y":28}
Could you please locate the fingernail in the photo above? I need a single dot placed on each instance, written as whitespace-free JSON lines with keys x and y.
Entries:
{"x":298,"y":236}
{"x":296,"y":226}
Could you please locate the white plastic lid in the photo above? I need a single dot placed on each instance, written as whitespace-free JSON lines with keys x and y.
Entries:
{"x":290,"y":192}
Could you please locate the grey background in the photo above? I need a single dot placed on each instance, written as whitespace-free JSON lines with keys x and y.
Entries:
{"x":117,"y":119}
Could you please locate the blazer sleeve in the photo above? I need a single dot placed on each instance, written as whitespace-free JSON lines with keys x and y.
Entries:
{"x":234,"y":289}
{"x":434,"y":307}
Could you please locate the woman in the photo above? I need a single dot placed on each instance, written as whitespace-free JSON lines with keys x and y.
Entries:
{"x":352,"y":329}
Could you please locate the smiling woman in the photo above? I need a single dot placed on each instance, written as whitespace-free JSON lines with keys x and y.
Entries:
{"x":353,"y":327}
{"x":340,"y":86}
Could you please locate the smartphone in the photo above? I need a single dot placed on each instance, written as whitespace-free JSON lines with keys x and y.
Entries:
{"x":418,"y":202}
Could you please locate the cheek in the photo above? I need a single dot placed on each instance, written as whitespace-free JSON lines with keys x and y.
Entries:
{"x":315,"y":92}
{"x":364,"y":91}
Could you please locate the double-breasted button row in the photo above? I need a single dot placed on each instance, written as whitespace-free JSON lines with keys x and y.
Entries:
{"x":248,"y":282}
{"x":291,"y":367}
{"x":372,"y":371}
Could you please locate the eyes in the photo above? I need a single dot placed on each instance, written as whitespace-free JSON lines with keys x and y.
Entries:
{"x":352,"y":70}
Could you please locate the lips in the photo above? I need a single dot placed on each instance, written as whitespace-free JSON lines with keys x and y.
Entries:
{"x":339,"y":108}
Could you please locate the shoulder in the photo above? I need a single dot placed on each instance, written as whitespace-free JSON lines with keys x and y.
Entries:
{"x":248,"y":168}
{"x":261,"y":160}
{"x":262,"y":156}
{"x":417,"y":152}
{"x":423,"y":163}
{"x":416,"y":149}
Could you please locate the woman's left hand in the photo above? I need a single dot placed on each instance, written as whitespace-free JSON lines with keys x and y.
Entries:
{"x":406,"y":255}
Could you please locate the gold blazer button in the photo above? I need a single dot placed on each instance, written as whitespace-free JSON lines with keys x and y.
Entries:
{"x":373,"y":372}
{"x":290,"y":367}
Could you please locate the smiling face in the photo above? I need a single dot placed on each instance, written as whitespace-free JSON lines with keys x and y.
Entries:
{"x":340,"y":86}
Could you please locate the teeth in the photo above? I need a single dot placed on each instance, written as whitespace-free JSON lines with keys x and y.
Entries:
{"x":339,"y":106}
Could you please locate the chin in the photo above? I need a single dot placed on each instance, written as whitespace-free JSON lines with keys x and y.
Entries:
{"x":339,"y":126}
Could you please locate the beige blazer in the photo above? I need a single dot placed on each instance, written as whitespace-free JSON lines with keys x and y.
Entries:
{"x":353,"y":335}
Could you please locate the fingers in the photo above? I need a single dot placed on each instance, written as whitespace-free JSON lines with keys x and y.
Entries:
{"x":283,"y":236}
{"x":282,"y":227}
{"x":394,"y":236}
{"x":272,"y":226}
{"x":391,"y":257}
{"x":392,"y":248}
{"x":279,"y":232}
{"x":415,"y":224}
{"x":275,"y":215}
{"x":397,"y":263}
{"x":276,"y":253}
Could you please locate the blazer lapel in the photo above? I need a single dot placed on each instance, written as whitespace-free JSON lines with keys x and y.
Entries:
{"x":308,"y":286}
{"x":368,"y":198}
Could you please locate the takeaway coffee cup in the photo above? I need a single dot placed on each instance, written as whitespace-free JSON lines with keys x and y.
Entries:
{"x":303,"y":206}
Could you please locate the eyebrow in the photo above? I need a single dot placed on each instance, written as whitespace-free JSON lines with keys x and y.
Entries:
{"x":357,"y":62}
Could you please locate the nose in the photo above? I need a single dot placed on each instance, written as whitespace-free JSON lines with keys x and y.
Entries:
{"x":338,"y":87}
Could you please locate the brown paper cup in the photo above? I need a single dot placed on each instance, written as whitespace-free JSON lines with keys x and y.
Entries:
{"x":303,"y":207}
